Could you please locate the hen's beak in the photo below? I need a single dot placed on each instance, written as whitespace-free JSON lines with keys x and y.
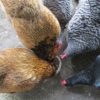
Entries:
{"x":57,"y":64}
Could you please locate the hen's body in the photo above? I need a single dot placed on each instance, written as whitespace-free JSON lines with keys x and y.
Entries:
{"x":21,"y":70}
{"x":84,"y":28}
{"x":62,"y":9}
{"x":35,"y":25}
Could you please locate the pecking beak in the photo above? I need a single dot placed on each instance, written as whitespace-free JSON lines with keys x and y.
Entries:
{"x":57,"y":63}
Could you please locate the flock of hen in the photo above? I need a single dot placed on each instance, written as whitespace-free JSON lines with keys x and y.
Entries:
{"x":38,"y":24}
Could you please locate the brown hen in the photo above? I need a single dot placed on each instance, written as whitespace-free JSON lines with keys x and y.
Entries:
{"x":35,"y":25}
{"x":21,"y":70}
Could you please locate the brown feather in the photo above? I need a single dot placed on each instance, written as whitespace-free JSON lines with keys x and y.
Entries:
{"x":21,"y":70}
{"x":33,"y":23}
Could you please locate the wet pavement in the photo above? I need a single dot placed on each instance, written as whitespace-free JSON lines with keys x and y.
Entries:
{"x":49,"y":89}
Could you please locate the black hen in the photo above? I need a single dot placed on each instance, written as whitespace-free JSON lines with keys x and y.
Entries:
{"x":97,"y":72}
{"x":84,"y":29}
{"x":90,"y":76}
{"x":62,"y":9}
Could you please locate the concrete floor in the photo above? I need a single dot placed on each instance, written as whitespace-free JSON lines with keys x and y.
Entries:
{"x":50,"y":89}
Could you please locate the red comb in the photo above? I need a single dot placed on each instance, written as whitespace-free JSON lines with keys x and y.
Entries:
{"x":64,"y":82}
{"x":63,"y":56}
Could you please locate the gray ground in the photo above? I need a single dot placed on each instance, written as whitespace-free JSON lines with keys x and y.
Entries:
{"x":49,"y":89}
